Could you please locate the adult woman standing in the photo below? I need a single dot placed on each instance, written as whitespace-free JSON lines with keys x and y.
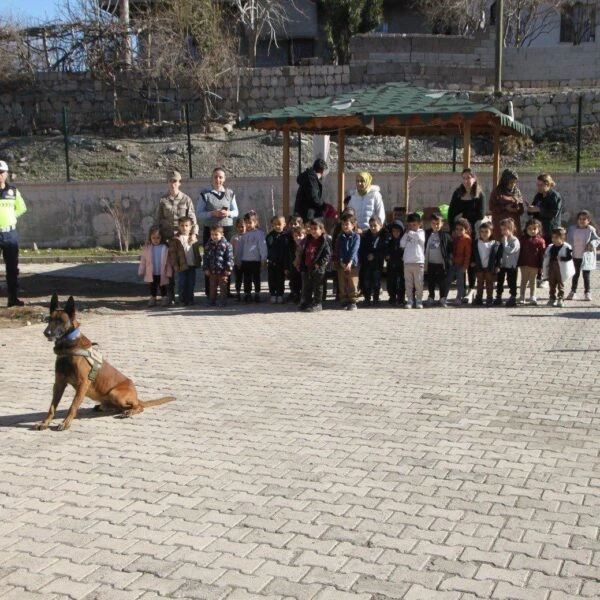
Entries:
{"x":467,"y":202}
{"x":547,"y":205}
{"x":217,"y":206}
{"x":506,"y":202}
{"x":366,"y":201}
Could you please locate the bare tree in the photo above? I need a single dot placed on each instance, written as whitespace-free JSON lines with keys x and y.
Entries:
{"x":261,"y":18}
{"x":524,"y":20}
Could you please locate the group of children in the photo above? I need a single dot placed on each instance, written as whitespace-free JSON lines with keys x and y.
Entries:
{"x":409,"y":258}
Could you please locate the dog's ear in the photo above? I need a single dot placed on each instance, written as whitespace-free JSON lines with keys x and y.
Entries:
{"x":53,"y":303}
{"x":70,"y":307}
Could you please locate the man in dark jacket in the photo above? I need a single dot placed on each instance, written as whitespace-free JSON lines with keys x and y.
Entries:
{"x":309,"y":198}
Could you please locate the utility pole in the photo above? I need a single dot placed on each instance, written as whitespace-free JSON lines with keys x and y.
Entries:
{"x":126,"y":40}
{"x":499,"y":44}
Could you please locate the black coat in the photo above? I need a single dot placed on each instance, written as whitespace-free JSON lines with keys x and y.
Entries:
{"x":277,"y":248}
{"x":495,"y":261}
{"x":309,"y":197}
{"x":322,"y":255}
{"x":445,"y":246}
{"x":373,"y":243}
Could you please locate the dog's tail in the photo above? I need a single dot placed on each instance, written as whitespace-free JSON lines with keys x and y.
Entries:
{"x":163,"y":400}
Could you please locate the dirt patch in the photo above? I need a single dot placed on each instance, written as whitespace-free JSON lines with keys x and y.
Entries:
{"x":90,"y":295}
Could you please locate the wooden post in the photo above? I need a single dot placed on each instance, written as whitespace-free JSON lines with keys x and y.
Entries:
{"x":406,"y":170}
{"x":341,"y":166}
{"x":286,"y":172}
{"x":496,"y":168}
{"x":467,"y":145}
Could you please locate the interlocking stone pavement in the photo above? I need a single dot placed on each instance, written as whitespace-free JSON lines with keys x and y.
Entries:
{"x":377,"y":455}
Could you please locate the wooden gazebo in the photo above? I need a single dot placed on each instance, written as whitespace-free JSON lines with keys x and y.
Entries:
{"x":396,"y":109}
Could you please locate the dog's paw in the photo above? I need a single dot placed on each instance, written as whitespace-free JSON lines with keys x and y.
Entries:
{"x":41,"y":426}
{"x":63,"y":426}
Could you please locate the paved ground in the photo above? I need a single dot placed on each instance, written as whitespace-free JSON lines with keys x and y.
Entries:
{"x":377,"y":455}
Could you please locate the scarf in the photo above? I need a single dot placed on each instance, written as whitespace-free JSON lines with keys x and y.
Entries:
{"x":368,"y":180}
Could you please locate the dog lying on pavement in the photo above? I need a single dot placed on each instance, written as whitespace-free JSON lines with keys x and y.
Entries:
{"x":80,"y":365}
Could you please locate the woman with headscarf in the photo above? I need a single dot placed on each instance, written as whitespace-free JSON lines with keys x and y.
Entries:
{"x":366,"y":201}
{"x":506,"y":202}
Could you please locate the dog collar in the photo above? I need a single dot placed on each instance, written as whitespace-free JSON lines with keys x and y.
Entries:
{"x":73,"y":335}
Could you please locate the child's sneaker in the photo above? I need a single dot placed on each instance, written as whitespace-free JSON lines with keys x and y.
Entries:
{"x":458,"y":302}
{"x":352,"y":306}
{"x":165,"y":301}
{"x":315,"y":308}
{"x":279,"y":299}
{"x":429,"y":302}
{"x":408,"y":305}
{"x":223,"y":302}
{"x":489,"y":302}
{"x":257,"y":298}
{"x":478,"y":301}
{"x":512,"y":301}
{"x":572,"y":295}
{"x":587,"y":297}
{"x":152,"y":301}
{"x":247,"y":297}
{"x":419,"y":304}
{"x":273,"y":299}
{"x":533,"y":301}
{"x":497,"y":302}
{"x":551,"y":302}
{"x":521,"y":300}
{"x":212,"y":302}
{"x":443,"y":302}
{"x":560,"y":303}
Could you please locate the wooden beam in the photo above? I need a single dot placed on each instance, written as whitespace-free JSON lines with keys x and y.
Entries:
{"x":406,"y":170}
{"x":341,"y":178}
{"x":496,"y":167}
{"x":467,"y":145}
{"x":286,"y":172}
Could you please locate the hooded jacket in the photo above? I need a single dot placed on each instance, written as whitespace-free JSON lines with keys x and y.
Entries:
{"x":367,"y":206}
{"x":309,"y":197}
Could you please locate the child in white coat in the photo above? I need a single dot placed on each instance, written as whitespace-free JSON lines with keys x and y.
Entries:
{"x":558,"y":266}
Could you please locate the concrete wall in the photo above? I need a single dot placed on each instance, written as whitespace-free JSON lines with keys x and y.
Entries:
{"x":70,"y":215}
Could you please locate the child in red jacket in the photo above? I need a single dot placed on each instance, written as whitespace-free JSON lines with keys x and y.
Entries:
{"x":531,"y":258}
{"x":461,"y":258}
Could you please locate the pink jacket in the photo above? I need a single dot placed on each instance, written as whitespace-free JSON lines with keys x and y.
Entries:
{"x":145,"y":270}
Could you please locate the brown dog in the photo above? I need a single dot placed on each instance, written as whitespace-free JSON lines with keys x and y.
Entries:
{"x":80,"y":365}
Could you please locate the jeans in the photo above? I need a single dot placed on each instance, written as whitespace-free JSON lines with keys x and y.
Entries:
{"x":276,"y":278}
{"x":312,"y":287}
{"x":511,"y":277}
{"x":457,"y":272}
{"x":186,"y":282}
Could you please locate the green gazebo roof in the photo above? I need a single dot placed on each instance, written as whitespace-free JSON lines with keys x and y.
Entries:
{"x":389,"y":109}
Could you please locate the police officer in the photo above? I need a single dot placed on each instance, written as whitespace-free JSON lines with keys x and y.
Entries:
{"x":12,"y":206}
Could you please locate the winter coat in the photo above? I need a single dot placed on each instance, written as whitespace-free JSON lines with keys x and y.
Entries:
{"x":218,"y":256}
{"x":565,"y":262}
{"x":322,"y":255}
{"x":413,"y":243}
{"x":347,"y":247}
{"x":461,"y":250}
{"x":510,"y":252}
{"x":550,"y":215}
{"x":394,"y":254}
{"x":367,"y":206}
{"x":309,"y":197}
{"x":277,"y":248}
{"x":532,"y":250}
{"x":375,"y":244}
{"x":504,"y":205}
{"x":589,"y":256}
{"x":445,"y":246}
{"x":178,"y":258}
{"x":466,"y":205}
{"x":145,"y":268}
{"x":495,"y":260}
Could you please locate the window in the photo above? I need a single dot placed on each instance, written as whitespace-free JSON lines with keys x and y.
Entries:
{"x":578,"y":23}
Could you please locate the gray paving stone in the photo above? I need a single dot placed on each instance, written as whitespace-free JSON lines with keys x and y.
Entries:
{"x":285,"y":472}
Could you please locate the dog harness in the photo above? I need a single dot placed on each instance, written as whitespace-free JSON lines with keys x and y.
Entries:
{"x":93,"y":356}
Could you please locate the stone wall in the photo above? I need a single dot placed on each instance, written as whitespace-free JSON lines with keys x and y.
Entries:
{"x":70,"y":215}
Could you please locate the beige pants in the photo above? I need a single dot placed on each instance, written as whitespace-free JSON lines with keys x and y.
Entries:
{"x":413,"y":280}
{"x":348,"y":284}
{"x":528,"y":277}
